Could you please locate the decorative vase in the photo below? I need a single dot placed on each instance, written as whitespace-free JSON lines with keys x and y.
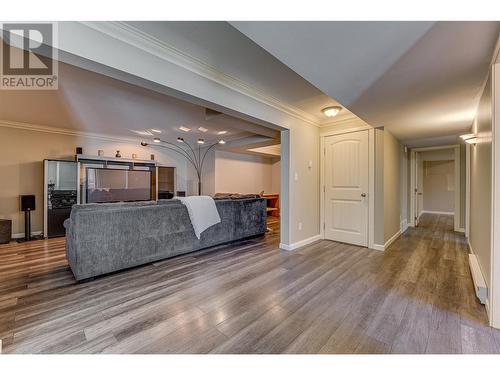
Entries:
{"x":118,"y":155}
{"x":152,"y":156}
{"x":134,"y":156}
{"x":100,"y":152}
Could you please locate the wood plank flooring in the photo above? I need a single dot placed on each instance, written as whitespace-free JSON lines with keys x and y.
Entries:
{"x":250,"y":297}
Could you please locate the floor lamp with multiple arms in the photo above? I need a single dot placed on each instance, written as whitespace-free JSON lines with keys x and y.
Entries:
{"x":194,"y":155}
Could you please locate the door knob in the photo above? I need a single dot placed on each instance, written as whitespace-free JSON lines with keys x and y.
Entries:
{"x":363,"y":195}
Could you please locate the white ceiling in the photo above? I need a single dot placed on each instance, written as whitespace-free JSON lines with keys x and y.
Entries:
{"x":225,"y":49}
{"x":418,"y":79}
{"x":94,"y":103}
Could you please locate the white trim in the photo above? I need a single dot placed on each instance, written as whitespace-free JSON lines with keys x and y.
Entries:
{"x":392,"y":239}
{"x":371,"y":178}
{"x":467,"y":190}
{"x":322,"y":186}
{"x":412,"y":222}
{"x":403,"y":225}
{"x":347,"y":125}
{"x":458,"y":191}
{"x":302,"y":243}
{"x":388,"y":243}
{"x":437,"y":212}
{"x":494,"y":282}
{"x":371,"y":187}
{"x":70,"y":132}
{"x":457,"y":195}
{"x":21,"y":235}
{"x":433,"y":148}
{"x":145,"y":42}
{"x":45,"y":197}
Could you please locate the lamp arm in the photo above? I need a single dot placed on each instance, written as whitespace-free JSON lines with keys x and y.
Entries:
{"x":180,"y":153}
{"x":205,"y":154}
{"x":186,"y":154}
{"x":194,"y":154}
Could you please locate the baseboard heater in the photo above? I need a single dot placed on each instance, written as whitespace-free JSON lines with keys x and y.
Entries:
{"x":478,"y":279}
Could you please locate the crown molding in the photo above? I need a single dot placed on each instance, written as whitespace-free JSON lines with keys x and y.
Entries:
{"x":64,"y":131}
{"x":135,"y":37}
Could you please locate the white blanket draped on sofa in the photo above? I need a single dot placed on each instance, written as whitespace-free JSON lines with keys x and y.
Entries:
{"x":202,"y":212}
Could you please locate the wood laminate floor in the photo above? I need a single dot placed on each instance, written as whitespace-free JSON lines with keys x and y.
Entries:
{"x":416,"y":297}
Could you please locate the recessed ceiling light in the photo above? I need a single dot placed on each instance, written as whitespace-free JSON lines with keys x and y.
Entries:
{"x":156,"y":140}
{"x":157,"y":131}
{"x":202,"y":129}
{"x":145,"y":133}
{"x":222,"y":132}
{"x":200,"y":141}
{"x":184,"y":129}
{"x":180,"y":139}
{"x":331,"y":111}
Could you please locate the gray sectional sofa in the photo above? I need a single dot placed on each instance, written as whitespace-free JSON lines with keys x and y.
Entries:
{"x":103,"y":238}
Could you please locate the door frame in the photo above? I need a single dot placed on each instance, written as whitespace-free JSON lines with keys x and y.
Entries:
{"x":371,"y":178}
{"x":413,"y":172}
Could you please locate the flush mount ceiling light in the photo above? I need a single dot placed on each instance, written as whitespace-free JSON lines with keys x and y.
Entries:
{"x":157,"y":131}
{"x":156,"y":140}
{"x":331,"y":111}
{"x":222,"y":142}
{"x":184,"y":129}
{"x":200,"y":141}
{"x":180,"y":139}
{"x":202,"y":129}
{"x":222,"y":132}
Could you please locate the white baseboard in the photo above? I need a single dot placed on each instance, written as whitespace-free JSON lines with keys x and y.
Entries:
{"x":21,"y":235}
{"x":437,"y":212}
{"x":392,"y":239}
{"x":403,"y":225}
{"x":377,"y":247}
{"x":298,"y":244}
{"x":461,"y":230}
{"x":388,"y":243}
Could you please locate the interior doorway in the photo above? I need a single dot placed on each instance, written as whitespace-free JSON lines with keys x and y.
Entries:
{"x":437,"y":182}
{"x":346,"y":171}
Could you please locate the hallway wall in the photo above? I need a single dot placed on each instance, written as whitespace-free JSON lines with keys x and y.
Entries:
{"x":439,"y":186}
{"x":392,"y":181}
{"x":480,"y":185}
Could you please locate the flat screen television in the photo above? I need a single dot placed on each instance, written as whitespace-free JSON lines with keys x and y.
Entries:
{"x":117,"y":185}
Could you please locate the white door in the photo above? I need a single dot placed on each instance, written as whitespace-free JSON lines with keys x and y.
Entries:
{"x":346,"y":188}
{"x":419,"y":183}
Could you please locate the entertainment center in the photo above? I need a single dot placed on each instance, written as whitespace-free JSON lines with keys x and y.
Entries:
{"x":100,"y":179}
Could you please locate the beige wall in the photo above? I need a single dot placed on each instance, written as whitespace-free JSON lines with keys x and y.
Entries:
{"x":392,"y":189}
{"x":243,"y":173}
{"x":276,"y":176}
{"x":439,"y":186}
{"x":21,"y":165}
{"x":480,"y":185}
